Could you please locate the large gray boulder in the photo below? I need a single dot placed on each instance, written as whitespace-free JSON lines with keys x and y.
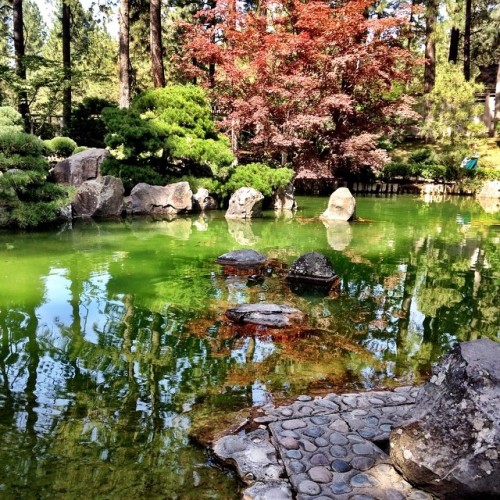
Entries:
{"x":272,"y":315}
{"x":245,"y":203}
{"x":171,"y":199}
{"x":80,"y":167}
{"x":341,"y":206}
{"x":102,"y":197}
{"x":450,"y":447}
{"x":284,"y":198}
{"x":202,"y":201}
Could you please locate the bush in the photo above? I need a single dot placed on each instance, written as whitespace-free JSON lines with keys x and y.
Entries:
{"x":132,"y":174}
{"x":10,"y":120}
{"x":433,"y":172}
{"x":87,"y":126}
{"x":61,"y":146}
{"x":167,"y":132}
{"x":488,"y":173}
{"x":23,"y":186}
{"x":257,"y":175}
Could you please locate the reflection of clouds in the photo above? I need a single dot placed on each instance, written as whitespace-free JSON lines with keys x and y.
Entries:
{"x":241,"y":231}
{"x":338,"y":234}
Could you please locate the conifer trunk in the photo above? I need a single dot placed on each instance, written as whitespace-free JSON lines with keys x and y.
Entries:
{"x":18,"y":32}
{"x":467,"y":33}
{"x":156,"y":46}
{"x":124,"y":44}
{"x":430,"y":45}
{"x":66,"y":55}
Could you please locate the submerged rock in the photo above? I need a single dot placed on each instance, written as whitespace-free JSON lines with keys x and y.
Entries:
{"x":341,"y":206}
{"x":272,"y":315}
{"x":80,"y":167}
{"x":245,"y":203}
{"x":451,"y":445}
{"x":243,"y":257}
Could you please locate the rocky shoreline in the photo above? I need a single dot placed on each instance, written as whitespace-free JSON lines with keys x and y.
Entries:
{"x":442,"y":437}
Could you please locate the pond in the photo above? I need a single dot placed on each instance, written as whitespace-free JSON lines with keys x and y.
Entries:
{"x":115,"y":349}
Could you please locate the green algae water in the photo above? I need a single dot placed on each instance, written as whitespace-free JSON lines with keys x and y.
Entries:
{"x":114,"y":348}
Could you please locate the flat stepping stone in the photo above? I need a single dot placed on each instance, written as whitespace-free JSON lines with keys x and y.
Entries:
{"x":241,"y":258}
{"x":313,"y":268}
{"x":272,"y":315}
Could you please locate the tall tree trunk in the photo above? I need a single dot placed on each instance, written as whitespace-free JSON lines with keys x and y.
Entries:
{"x":496,"y":113}
{"x":156,"y":44}
{"x":124,"y":42}
{"x":467,"y":31}
{"x":454,"y":41}
{"x":18,"y":28}
{"x":430,"y":45}
{"x":66,"y":54}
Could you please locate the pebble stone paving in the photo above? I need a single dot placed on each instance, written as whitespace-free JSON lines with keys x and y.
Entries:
{"x":328,"y":447}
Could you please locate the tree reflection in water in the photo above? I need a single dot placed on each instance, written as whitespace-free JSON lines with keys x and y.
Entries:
{"x":114,"y":343}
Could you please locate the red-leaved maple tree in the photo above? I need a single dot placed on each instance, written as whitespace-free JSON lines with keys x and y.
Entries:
{"x":308,"y":83}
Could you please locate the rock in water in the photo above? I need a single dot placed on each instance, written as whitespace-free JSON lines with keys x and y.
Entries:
{"x":102,"y":197}
{"x":272,"y":315}
{"x":244,"y":258}
{"x":80,"y":167}
{"x":170,"y":199}
{"x":245,"y":203}
{"x":341,"y":206}
{"x":312,"y":268}
{"x":284,"y":199}
{"x":451,"y":445}
{"x":202,"y":201}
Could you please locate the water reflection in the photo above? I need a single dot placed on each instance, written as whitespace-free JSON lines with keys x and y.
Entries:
{"x":114,"y":342}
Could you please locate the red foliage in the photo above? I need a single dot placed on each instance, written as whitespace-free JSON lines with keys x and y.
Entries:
{"x":308,"y":82}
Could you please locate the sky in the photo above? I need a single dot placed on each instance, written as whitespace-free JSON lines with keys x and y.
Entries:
{"x":47,"y":9}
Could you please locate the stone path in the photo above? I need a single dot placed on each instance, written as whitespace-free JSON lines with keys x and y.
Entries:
{"x":323,"y":448}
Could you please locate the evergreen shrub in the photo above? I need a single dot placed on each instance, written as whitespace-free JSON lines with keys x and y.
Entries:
{"x":61,"y":146}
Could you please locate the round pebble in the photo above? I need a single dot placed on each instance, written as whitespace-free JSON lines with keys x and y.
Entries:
{"x":339,"y":487}
{"x":398,"y":399}
{"x":308,"y":446}
{"x":290,"y":443}
{"x":320,"y":474}
{"x":355,"y":438}
{"x":324,"y":403}
{"x":304,"y":397}
{"x":340,"y":426}
{"x":371,"y":420}
{"x":293,"y":424}
{"x":341,"y":466}
{"x":294,"y":454}
{"x":359,"y":413}
{"x":314,"y":432}
{"x":386,"y":427}
{"x":376,"y":401}
{"x":321,"y":442}
{"x":368,"y":432}
{"x":287,"y":412}
{"x":389,"y":409}
{"x":309,"y":488}
{"x":392,"y":494}
{"x":296,"y":467}
{"x":350,"y":401}
{"x":362,"y":449}
{"x":320,"y":420}
{"x":305,"y":410}
{"x":338,"y":451}
{"x":362,"y":463}
{"x":291,"y":434}
{"x":319,"y":459}
{"x":337,"y":438}
{"x":361,"y":481}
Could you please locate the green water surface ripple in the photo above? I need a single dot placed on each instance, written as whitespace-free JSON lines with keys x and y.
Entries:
{"x":114,"y":346}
